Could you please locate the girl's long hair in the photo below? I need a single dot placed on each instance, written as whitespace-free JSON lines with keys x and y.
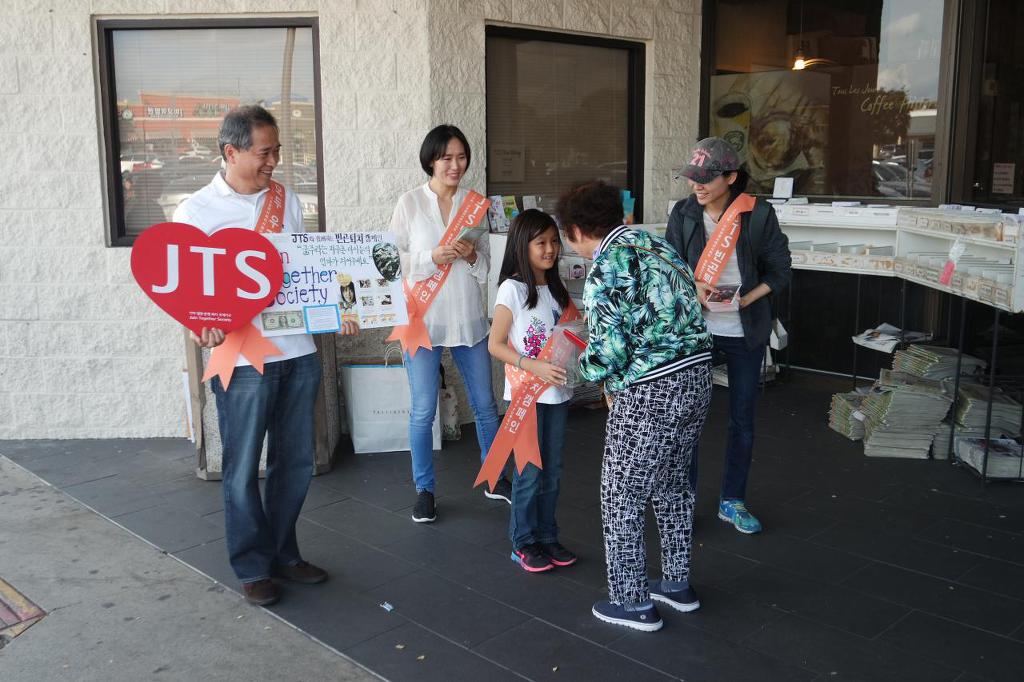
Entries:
{"x":526,"y":227}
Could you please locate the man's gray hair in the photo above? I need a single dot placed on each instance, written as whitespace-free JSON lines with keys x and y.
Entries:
{"x":237,"y":126}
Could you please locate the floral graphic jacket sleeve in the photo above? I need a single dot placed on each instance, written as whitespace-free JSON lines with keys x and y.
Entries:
{"x":642,"y":310}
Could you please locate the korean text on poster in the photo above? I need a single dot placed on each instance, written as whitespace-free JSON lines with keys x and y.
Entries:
{"x":335,"y":277}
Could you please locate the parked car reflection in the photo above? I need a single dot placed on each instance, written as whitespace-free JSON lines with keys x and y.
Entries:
{"x":189,"y":177}
{"x":893,"y":180}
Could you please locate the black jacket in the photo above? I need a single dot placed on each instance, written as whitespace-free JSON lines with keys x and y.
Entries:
{"x":770,"y":265}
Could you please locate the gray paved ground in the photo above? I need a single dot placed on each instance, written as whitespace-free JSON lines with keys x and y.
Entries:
{"x":118,"y":609}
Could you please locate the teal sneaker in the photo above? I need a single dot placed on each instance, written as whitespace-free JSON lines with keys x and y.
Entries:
{"x":735,"y":512}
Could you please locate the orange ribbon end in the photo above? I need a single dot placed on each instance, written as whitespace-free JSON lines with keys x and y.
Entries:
{"x":412,"y":336}
{"x":521,"y":443}
{"x":247,"y":341}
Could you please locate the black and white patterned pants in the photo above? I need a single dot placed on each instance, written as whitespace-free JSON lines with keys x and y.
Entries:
{"x":649,"y":437}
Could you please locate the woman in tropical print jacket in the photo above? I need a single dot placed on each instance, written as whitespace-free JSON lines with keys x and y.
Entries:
{"x":649,"y":344}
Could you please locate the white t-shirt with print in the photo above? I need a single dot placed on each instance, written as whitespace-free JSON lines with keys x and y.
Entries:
{"x":531,"y":329}
{"x":725,"y":323}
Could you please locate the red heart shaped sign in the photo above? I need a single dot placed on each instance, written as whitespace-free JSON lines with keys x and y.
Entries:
{"x":221,"y":280}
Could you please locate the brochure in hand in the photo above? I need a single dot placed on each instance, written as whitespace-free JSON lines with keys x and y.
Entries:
{"x":724,"y":298}
{"x":471,"y":234}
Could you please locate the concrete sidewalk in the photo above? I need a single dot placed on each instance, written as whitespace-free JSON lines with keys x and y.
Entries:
{"x":118,"y":609}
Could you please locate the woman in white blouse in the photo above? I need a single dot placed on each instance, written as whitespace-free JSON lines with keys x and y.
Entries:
{"x":456,"y":319}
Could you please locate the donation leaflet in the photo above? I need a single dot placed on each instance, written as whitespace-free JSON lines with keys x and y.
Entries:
{"x":335,"y":277}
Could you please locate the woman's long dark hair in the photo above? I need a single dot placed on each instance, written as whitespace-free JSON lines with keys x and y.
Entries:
{"x":526,"y":227}
{"x":739,"y":185}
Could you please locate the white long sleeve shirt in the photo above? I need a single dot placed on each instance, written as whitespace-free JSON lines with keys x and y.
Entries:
{"x":457,"y":316}
{"x":217,"y":206}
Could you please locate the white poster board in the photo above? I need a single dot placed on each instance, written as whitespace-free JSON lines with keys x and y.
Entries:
{"x":1003,"y":175}
{"x":335,"y":277}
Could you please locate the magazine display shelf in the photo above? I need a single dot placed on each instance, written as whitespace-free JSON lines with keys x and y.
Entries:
{"x":920,"y":239}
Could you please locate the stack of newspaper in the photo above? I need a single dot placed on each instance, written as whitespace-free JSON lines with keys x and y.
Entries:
{"x":902,"y":413}
{"x":969,"y":418}
{"x":845,"y":416}
{"x":935,"y":362}
{"x":885,"y":337}
{"x":973,"y":406}
{"x":1004,"y":457}
{"x":940,"y":444}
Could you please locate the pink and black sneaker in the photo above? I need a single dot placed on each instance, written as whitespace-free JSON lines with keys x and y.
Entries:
{"x":532,"y":559}
{"x":558,"y":555}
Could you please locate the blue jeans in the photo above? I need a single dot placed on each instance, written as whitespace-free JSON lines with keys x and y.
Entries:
{"x":743,"y":366}
{"x":424,"y":370}
{"x":279,"y":402}
{"x":535,"y":491}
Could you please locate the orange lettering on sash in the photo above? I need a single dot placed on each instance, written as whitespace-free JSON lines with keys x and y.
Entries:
{"x":518,"y":430}
{"x":722,"y":244}
{"x":420,"y":296}
{"x":248,"y":340}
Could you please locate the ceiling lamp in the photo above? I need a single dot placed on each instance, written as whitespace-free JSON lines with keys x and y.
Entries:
{"x":799,"y":61}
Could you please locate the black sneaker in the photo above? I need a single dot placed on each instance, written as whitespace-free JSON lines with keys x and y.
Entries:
{"x":645,"y":620}
{"x":424,"y":511}
{"x":532,"y":559}
{"x":684,"y":600}
{"x":502,"y":491}
{"x":559,"y":555}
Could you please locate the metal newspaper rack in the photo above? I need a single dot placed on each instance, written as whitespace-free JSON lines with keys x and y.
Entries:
{"x":913,"y":244}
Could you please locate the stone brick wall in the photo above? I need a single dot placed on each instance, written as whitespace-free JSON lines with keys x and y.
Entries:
{"x":83,"y":354}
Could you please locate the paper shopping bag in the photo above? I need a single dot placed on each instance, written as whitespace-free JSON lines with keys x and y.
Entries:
{"x":377,"y":403}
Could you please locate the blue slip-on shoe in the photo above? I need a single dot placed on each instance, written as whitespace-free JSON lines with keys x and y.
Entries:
{"x":735,"y":512}
{"x":648,"y":619}
{"x":684,"y":600}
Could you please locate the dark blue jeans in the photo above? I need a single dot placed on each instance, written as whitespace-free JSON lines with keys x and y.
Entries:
{"x":535,"y":491}
{"x":278,"y":403}
{"x":744,"y":367}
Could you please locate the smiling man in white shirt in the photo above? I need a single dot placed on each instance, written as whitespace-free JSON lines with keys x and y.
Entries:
{"x":278,"y":402}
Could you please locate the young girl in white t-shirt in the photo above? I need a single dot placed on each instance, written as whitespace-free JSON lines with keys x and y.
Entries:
{"x":531,"y":299}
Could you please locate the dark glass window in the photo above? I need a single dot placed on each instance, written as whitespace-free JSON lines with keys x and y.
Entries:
{"x":998,"y":111}
{"x":841,"y":95}
{"x":560,"y":110}
{"x":166,"y":89}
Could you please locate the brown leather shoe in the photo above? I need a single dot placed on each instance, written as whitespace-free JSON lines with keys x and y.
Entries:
{"x":261,"y":592}
{"x":302,"y":572}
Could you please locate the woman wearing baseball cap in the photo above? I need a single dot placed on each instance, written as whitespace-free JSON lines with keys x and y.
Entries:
{"x":730,"y":238}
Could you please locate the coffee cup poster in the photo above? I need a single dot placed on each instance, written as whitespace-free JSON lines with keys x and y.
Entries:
{"x":778,"y":122}
{"x":335,"y":277}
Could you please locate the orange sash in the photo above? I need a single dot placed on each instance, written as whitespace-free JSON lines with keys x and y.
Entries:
{"x":272,"y":215}
{"x":518,"y":430}
{"x":248,"y":340}
{"x":421,"y":295}
{"x":722,"y":244}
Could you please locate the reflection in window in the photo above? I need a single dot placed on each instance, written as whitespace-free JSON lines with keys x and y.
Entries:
{"x":169,"y":92}
{"x":557,"y":115}
{"x":840,"y":96}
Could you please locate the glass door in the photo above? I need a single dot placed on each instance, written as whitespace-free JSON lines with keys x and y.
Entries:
{"x":991,"y":105}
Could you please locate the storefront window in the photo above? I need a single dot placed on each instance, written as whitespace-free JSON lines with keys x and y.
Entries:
{"x":842,"y":96}
{"x":165,"y":93}
{"x":561,"y":110}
